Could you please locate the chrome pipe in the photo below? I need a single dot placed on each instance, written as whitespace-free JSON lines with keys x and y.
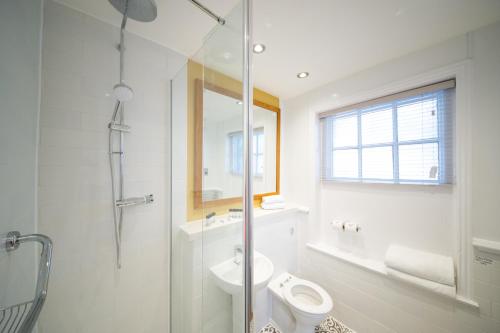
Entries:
{"x":121,"y":169}
{"x":116,"y":194}
{"x":207,"y":11}
{"x":247,"y":165}
{"x":122,"y":40}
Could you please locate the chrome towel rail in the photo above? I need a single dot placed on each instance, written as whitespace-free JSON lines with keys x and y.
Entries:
{"x":17,"y":318}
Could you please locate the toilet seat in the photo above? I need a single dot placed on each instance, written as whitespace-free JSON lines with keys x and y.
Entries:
{"x":307,"y":297}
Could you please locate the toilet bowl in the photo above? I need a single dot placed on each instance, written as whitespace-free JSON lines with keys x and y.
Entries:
{"x":308,"y":303}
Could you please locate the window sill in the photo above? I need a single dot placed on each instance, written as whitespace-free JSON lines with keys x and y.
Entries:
{"x":388,"y":185}
{"x":370,"y":265}
{"x":387,"y":182}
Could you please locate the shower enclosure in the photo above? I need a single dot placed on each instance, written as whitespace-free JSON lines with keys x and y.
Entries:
{"x":86,"y":130}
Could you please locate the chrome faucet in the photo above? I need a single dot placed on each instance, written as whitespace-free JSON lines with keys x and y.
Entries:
{"x":210,"y":219}
{"x":238,"y":254}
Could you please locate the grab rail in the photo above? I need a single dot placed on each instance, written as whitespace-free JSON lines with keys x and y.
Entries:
{"x":8,"y":322}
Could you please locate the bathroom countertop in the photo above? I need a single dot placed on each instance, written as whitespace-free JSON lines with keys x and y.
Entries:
{"x":194,"y":229}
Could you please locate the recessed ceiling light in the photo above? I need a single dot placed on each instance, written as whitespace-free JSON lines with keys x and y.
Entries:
{"x":227,"y":55}
{"x":302,"y":75}
{"x":259,"y":48}
{"x":239,"y":102}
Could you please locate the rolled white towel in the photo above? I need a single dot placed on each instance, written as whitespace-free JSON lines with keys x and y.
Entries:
{"x":277,"y":205}
{"x":425,"y":265}
{"x":273,"y":199}
{"x":443,"y":289}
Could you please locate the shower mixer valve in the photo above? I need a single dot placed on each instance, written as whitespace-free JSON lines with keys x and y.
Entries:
{"x":147,"y":199}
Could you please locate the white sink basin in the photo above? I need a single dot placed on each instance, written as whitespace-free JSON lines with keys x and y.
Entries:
{"x":229,"y":276}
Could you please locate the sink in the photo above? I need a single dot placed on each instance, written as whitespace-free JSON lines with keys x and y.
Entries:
{"x":229,"y":276}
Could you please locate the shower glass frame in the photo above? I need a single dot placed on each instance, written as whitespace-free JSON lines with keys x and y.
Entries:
{"x":195,"y":301}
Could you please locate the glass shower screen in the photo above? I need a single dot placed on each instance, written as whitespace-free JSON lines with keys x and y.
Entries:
{"x":207,"y":289}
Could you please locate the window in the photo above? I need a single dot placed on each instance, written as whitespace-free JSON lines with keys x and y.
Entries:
{"x":258,"y":152}
{"x":235,"y":152}
{"x":402,"y":138}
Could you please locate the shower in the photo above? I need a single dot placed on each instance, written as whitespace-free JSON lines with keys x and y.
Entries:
{"x":143,"y":11}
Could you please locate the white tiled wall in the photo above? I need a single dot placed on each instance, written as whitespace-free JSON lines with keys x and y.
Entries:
{"x":369,"y":302}
{"x":80,"y":67}
{"x":486,"y":274}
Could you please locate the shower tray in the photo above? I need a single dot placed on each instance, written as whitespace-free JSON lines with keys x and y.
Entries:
{"x":22,"y":317}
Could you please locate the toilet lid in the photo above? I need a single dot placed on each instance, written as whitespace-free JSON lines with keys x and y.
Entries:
{"x":295,"y":298}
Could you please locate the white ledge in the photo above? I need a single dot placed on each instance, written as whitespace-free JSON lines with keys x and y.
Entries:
{"x":195,"y":229}
{"x":367,"y":264}
{"x":371,"y":265}
{"x":486,"y":245}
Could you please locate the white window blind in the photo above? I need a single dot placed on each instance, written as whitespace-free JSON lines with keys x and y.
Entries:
{"x":401,"y":138}
{"x":258,"y":151}
{"x":235,"y":152}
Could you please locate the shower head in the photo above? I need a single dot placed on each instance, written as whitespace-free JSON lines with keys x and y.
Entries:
{"x":139,"y":10}
{"x":122,"y":92}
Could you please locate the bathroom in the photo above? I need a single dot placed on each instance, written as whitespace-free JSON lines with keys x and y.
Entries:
{"x":249,"y":166}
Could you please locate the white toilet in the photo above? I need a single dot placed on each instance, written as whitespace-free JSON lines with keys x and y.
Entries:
{"x":300,"y":301}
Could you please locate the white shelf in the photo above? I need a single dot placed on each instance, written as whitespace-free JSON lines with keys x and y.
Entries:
{"x":195,"y":229}
{"x":368,"y":264}
{"x":371,"y":265}
{"x":486,"y":245}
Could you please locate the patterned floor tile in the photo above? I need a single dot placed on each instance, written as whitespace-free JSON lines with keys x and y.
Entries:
{"x":329,"y":325}
{"x":269,"y":328}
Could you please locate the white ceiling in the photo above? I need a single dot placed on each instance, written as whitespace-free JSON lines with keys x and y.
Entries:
{"x":330,"y":39}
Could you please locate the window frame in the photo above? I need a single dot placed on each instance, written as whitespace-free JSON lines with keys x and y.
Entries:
{"x":328,"y":141}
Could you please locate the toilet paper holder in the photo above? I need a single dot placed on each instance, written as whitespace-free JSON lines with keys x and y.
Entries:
{"x":346,"y":226}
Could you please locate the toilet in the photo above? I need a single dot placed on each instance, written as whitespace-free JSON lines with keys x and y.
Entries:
{"x":298,"y":305}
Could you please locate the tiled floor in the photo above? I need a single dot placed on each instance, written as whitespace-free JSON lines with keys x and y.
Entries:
{"x":329,"y":325}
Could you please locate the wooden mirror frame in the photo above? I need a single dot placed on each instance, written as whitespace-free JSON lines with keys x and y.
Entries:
{"x":200,"y":85}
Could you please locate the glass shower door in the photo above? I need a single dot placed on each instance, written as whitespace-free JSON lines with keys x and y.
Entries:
{"x":220,"y":103}
{"x":207,"y":185}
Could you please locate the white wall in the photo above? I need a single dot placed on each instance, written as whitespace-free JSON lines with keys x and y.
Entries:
{"x":421,"y":217}
{"x":485,"y":130}
{"x":80,"y":66}
{"x":20,"y":32}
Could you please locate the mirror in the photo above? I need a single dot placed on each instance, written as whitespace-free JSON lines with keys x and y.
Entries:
{"x":219,"y":147}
